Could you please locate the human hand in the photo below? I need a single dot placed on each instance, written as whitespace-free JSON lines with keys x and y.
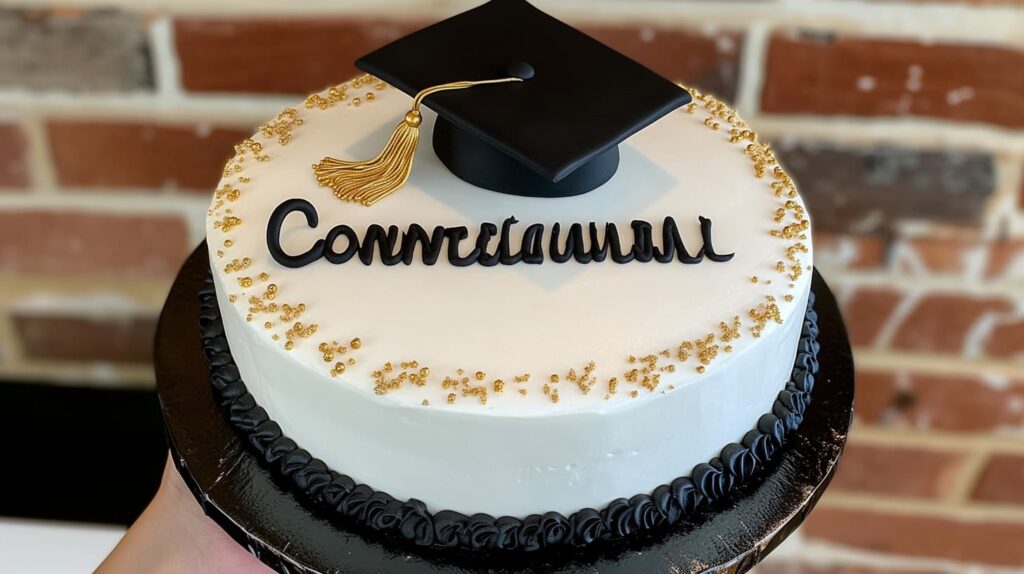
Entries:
{"x":174,"y":536}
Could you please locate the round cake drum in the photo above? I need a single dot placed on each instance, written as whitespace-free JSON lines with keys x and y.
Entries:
{"x":250,"y":503}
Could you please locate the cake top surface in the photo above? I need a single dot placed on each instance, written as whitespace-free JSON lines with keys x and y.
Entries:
{"x":508,"y":321}
{"x":563,"y":115}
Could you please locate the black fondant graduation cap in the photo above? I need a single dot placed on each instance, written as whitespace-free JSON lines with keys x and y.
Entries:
{"x":554,"y":134}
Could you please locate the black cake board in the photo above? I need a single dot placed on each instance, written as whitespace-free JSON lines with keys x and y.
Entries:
{"x":248,"y":502}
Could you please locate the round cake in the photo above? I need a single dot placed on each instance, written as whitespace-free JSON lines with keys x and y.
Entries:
{"x":491,"y":354}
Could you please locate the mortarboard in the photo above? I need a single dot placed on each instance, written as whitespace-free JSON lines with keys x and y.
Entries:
{"x":550,"y":128}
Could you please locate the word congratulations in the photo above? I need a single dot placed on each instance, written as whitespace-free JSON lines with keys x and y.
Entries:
{"x":394,"y":246}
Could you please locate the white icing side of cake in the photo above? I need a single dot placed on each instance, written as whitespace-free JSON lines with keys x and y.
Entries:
{"x":515,"y":454}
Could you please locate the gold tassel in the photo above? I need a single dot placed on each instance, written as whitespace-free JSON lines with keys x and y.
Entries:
{"x":367,"y":182}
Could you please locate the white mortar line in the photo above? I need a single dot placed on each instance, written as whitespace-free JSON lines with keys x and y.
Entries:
{"x":166,"y":71}
{"x":827,"y":553}
{"x":941,"y":365}
{"x":930,"y":22}
{"x":906,"y":506}
{"x":41,"y":168}
{"x":752,"y":61}
{"x":883,"y":339}
{"x":931,"y":439}
{"x":937,"y":283}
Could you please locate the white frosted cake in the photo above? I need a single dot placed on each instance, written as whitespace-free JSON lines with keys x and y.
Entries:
{"x":484,"y":382}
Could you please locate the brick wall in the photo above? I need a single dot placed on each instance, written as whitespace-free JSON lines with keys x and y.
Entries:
{"x":902,"y":121}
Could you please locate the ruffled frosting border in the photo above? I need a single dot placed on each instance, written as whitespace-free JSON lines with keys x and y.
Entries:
{"x":339,"y":496}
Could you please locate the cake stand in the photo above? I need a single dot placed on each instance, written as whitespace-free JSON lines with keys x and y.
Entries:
{"x":245,"y":499}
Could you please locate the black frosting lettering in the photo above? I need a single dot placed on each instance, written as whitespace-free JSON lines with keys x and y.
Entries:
{"x":643,"y":241}
{"x":455,"y":235}
{"x":672,"y":242}
{"x":487,"y":231}
{"x":598,"y":248}
{"x":274,"y":233}
{"x":395,"y":247}
{"x":351,"y":248}
{"x":533,"y":244}
{"x":709,"y":247}
{"x":561,"y":256}
{"x":385,"y":241}
{"x":505,"y":247}
{"x":430,"y":245}
{"x":611,"y":235}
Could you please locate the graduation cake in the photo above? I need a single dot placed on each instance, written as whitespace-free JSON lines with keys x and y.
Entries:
{"x":576,"y":308}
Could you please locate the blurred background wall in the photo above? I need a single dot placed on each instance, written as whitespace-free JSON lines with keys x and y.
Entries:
{"x":901,"y":121}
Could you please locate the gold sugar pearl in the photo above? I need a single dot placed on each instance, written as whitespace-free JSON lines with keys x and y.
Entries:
{"x":554,"y":378}
{"x":451,"y":398}
{"x":499,"y":386}
{"x":522,"y":392}
{"x":356,"y":343}
{"x":700,"y":369}
{"x":634,"y":394}
{"x":264,"y":276}
{"x":425,"y":403}
{"x":245,"y":282}
{"x":356,"y":102}
{"x":370,"y":96}
{"x":480,"y":375}
{"x":228,"y":243}
{"x":338,"y":369}
{"x":268,"y":325}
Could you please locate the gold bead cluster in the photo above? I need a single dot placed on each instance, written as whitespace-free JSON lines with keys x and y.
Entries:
{"x":340,"y":93}
{"x":281,"y":127}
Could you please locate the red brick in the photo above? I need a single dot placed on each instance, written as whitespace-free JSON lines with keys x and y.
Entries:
{"x":937,"y":255}
{"x":787,"y":566}
{"x":279,"y":55}
{"x":710,"y":63}
{"x":1005,"y":259}
{"x":939,"y":322}
{"x":117,"y":340}
{"x":867,"y":311}
{"x":963,"y":82}
{"x":890,"y":471}
{"x":856,"y":252}
{"x":70,"y":242}
{"x":13,"y":157}
{"x":1002,"y":480}
{"x":139,"y":155}
{"x":1006,"y":340}
{"x":945,"y":403}
{"x":982,"y":541}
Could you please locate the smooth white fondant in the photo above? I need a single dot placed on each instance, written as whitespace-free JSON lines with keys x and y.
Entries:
{"x":515,"y":454}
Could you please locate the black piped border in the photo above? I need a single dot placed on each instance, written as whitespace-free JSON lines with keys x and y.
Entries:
{"x":410,"y":520}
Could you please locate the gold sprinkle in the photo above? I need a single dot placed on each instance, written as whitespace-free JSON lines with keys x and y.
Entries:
{"x":788,"y":298}
{"x":228,"y":243}
{"x":245,"y":282}
{"x":634,"y":394}
{"x":554,"y":378}
{"x":700,"y":369}
{"x":268,"y":325}
{"x":425,"y":403}
{"x":264,"y":276}
{"x":753,"y":279}
{"x":232,"y":298}
{"x":356,"y":343}
{"x":351,"y":361}
{"x":480,"y":375}
{"x":728,"y":349}
{"x":499,"y":386}
{"x":338,"y":369}
{"x":522,"y":392}
{"x":554,"y":396}
{"x":451,"y":398}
